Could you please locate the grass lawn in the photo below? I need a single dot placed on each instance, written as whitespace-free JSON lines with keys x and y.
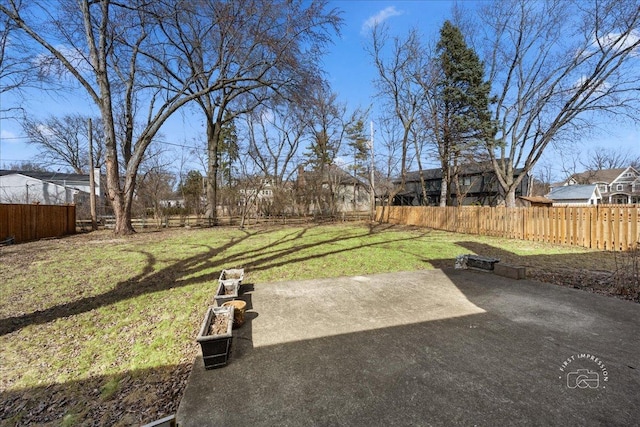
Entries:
{"x":101,"y":330}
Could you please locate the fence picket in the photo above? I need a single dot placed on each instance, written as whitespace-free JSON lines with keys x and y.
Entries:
{"x":31,"y":222}
{"x":601,"y":227}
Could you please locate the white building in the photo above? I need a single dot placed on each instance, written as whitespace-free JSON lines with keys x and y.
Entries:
{"x":49,"y":188}
{"x":617,"y":186}
{"x":575,"y":195}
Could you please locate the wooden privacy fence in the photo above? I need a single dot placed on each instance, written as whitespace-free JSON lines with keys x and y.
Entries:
{"x":608,"y":227}
{"x":32,"y":222}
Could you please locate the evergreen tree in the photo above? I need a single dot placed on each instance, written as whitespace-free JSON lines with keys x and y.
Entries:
{"x":227,"y":149}
{"x":191,"y":188}
{"x":463,"y":100}
{"x":358,"y":144}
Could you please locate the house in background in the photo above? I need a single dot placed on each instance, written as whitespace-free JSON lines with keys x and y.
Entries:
{"x":478,"y":181}
{"x":617,"y":186}
{"x":260,"y":190}
{"x":575,"y":195}
{"x":175,"y":201}
{"x":334,"y":190}
{"x":49,"y":188}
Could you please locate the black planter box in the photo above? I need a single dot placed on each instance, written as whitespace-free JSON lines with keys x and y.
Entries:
{"x":216,"y":348}
{"x":222,"y":296}
{"x":232,"y":275}
{"x":481,"y":263}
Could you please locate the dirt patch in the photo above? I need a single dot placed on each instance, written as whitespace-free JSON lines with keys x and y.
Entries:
{"x":614,"y":274}
{"x":610,"y":283}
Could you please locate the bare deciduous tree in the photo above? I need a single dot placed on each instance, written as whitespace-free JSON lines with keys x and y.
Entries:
{"x":112,"y":51}
{"x":556,"y":65}
{"x":247,"y":51}
{"x":273,"y":136}
{"x":16,"y":63}
{"x":600,"y":158}
{"x":399,"y":86}
{"x":326,"y":123}
{"x":156,"y":183}
{"x":389,"y":136}
{"x":64,"y":141}
{"x":139,"y":62}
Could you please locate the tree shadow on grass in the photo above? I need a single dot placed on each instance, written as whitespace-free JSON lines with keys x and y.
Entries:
{"x":184,"y":272}
{"x":147,"y":281}
{"x":411,"y":366}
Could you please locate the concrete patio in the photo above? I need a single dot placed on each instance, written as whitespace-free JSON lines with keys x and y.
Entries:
{"x":438,"y":347}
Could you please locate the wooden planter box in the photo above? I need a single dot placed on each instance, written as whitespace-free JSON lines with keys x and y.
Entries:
{"x":216,"y":348}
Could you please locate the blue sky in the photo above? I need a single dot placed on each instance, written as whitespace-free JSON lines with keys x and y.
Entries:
{"x":349,"y":70}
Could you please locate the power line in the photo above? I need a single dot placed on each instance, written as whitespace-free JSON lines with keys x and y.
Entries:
{"x":4,"y":159}
{"x":6,"y":138}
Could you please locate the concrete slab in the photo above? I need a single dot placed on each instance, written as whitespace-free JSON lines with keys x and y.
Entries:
{"x":432,"y":347}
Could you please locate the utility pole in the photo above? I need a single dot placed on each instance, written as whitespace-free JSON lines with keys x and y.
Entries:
{"x":92,"y":181}
{"x":371,"y":178}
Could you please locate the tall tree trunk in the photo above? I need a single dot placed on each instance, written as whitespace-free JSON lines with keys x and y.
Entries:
{"x":213,"y":137}
{"x":510,"y":198}
{"x":455,"y":180}
{"x":444,"y":185}
{"x":420,"y":174}
{"x":116,"y":196}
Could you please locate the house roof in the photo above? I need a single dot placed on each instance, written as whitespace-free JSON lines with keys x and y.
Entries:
{"x":572,"y":192}
{"x":47,"y":176}
{"x":426,"y":173}
{"x":593,"y":177}
{"x":343,"y":177}
{"x":537,"y":199}
{"x":465,"y":169}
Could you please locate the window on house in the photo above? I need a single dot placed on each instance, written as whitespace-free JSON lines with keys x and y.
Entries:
{"x":619,"y":187}
{"x":467,"y":180}
{"x":603,"y":188}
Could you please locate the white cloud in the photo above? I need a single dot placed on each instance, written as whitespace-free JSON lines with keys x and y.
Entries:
{"x":341,"y":162}
{"x":9,"y":137}
{"x":50,"y":66}
{"x":267,"y":115}
{"x":45,"y":130}
{"x":618,"y":40}
{"x":380,"y":17}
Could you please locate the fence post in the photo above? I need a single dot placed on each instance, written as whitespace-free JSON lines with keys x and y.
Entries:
{"x":599,"y":227}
